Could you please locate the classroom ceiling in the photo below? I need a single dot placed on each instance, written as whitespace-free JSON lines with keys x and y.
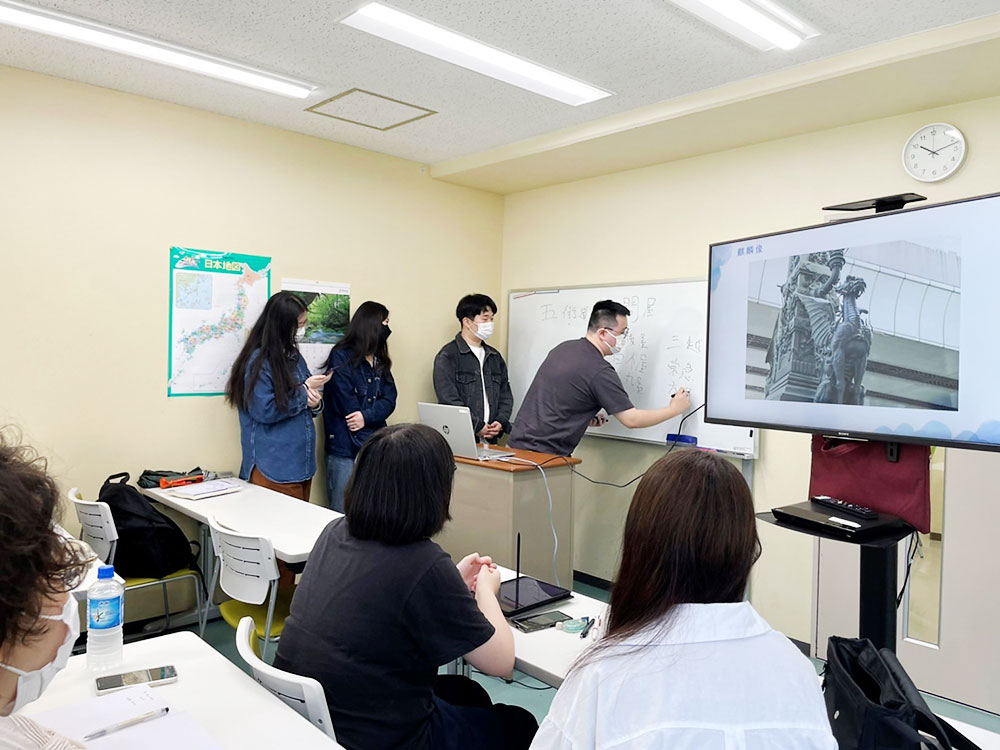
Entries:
{"x":645,"y":51}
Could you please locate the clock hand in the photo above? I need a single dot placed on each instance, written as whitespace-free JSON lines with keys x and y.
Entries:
{"x":940,"y":149}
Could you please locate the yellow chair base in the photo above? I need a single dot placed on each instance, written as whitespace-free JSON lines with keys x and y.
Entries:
{"x":233,"y":611}
{"x":129,"y":582}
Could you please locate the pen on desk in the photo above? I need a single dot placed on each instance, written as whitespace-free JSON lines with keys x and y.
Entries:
{"x":586,"y":629}
{"x":127,"y":723}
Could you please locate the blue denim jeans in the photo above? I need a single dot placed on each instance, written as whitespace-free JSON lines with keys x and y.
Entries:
{"x":338,"y":471}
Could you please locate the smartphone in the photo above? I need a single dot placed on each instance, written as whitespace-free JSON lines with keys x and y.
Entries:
{"x":531,"y":623}
{"x":152,"y":677}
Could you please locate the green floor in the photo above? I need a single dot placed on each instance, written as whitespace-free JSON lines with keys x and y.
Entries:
{"x":535,"y":696}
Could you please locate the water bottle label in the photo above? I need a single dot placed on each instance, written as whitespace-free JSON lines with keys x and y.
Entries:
{"x":104,"y":613}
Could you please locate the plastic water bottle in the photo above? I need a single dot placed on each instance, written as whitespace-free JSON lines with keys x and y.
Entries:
{"x":105,"y":616}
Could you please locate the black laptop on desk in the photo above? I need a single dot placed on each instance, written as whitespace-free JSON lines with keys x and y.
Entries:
{"x":810,"y":516}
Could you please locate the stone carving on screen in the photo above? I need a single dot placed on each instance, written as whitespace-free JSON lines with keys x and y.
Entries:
{"x":819,"y":351}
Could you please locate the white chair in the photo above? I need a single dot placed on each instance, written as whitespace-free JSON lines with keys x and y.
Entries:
{"x":97,"y":528}
{"x":247,"y":570}
{"x":304,"y":694}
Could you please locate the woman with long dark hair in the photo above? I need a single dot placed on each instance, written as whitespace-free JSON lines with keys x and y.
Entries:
{"x":686,"y":661}
{"x":277,"y":400}
{"x":360,"y":395}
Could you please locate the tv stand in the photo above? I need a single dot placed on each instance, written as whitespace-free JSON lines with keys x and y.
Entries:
{"x":879,"y":556}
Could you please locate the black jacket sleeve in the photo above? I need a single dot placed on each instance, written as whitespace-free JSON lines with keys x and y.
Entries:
{"x":506,"y":405}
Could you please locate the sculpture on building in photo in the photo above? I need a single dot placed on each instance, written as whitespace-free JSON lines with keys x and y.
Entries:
{"x":819,"y":350}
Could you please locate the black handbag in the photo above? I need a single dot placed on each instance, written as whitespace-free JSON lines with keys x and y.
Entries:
{"x":873,"y":704}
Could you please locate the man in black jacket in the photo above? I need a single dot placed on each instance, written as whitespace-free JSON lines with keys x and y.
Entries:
{"x":469,"y":372}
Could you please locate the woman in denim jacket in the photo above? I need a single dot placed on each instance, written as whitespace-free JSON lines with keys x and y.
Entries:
{"x":277,"y":400}
{"x":360,"y":395}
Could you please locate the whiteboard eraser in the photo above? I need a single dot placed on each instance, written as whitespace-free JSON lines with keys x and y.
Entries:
{"x":681,"y":439}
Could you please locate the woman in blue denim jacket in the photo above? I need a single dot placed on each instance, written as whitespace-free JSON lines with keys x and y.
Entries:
{"x":277,"y":400}
{"x":360,"y":395}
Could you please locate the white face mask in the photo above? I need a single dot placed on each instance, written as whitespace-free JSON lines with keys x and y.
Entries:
{"x":484,"y":330}
{"x":619,"y":343}
{"x":300,"y":333}
{"x":30,"y":685}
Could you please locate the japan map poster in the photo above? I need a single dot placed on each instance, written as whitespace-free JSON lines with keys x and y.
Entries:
{"x":215,"y":298}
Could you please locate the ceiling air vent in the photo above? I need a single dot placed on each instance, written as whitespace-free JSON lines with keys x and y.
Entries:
{"x":370,"y":110}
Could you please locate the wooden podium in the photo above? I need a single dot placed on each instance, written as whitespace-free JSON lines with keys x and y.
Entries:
{"x":493,"y":501}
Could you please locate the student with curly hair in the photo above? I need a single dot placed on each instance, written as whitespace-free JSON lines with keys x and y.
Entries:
{"x":39,"y":619}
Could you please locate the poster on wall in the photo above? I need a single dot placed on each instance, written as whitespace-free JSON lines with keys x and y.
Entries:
{"x":329,"y":310}
{"x":215,"y":298}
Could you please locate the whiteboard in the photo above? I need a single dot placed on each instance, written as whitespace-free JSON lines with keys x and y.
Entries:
{"x":666,"y":351}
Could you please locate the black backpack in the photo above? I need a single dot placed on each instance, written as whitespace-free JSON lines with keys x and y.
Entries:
{"x":150,"y":545}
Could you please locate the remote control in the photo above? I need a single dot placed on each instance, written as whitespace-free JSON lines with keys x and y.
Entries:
{"x":859,"y":511}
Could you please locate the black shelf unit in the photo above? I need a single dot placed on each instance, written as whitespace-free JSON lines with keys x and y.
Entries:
{"x":879,"y":555}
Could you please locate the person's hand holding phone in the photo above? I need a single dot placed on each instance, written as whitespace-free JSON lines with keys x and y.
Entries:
{"x":313,"y":397}
{"x":318,"y":381}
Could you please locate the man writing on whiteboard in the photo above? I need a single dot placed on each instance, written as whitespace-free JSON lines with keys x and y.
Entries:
{"x":576,"y":381}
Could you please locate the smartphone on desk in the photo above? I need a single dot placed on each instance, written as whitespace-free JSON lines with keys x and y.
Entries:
{"x":151,"y":677}
{"x":532,"y":623}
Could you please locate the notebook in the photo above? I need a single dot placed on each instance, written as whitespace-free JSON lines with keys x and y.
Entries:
{"x":178,"y":729}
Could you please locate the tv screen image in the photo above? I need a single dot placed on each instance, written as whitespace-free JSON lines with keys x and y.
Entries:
{"x":875,"y":325}
{"x":886,"y":327}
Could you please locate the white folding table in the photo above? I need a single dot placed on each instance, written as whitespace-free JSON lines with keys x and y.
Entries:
{"x":548,"y":654}
{"x":292,"y":525}
{"x":236,"y":711}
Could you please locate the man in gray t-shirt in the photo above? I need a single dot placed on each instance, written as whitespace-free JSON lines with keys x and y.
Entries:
{"x":576,"y":381}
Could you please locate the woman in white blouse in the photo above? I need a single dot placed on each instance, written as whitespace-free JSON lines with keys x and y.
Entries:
{"x":39,"y":619}
{"x":687,"y":664}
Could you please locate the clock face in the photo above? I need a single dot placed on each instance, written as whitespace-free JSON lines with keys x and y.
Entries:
{"x":934,"y":152}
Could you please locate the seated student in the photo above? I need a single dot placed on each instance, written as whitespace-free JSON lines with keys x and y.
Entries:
{"x":686,"y":663}
{"x":380,"y":607}
{"x":469,"y":372}
{"x":39,"y":619}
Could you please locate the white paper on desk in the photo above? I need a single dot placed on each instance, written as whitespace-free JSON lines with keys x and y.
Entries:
{"x":213,"y":487}
{"x":175,"y":730}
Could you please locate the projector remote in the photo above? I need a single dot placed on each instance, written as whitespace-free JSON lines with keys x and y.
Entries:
{"x":859,"y":511}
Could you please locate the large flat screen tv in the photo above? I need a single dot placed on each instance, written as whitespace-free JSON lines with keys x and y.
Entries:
{"x":884,"y":327}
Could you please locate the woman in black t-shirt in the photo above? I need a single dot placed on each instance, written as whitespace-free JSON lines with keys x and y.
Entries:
{"x":380,"y":607}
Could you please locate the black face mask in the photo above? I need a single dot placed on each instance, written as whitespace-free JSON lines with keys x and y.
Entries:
{"x":385,"y":333}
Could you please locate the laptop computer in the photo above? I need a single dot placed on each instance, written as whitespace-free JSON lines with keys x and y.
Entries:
{"x":813,"y":516}
{"x":455,"y":423}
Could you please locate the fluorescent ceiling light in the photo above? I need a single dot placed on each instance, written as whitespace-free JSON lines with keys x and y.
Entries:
{"x":81,"y":30}
{"x":444,"y":44}
{"x":760,"y":23}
